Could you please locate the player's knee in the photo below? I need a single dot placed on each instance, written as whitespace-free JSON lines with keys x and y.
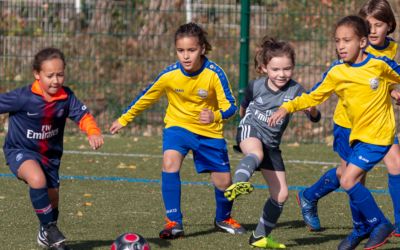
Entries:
{"x":281,"y":196}
{"x":346,"y":182}
{"x":36,"y":181}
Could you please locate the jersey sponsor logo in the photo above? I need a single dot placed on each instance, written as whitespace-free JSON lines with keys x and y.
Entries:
{"x":31,"y":114}
{"x":179,"y":90}
{"x":265,"y":116}
{"x":374,"y":83}
{"x":202,"y":93}
{"x":46,"y":133}
{"x":19,"y":156}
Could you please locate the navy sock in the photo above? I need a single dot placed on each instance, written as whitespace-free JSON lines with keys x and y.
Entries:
{"x":271,"y":213}
{"x":327,"y":183}
{"x":363,"y":200}
{"x":41,"y":203}
{"x":171,"y":193}
{"x":55,"y":214}
{"x":246,"y":167}
{"x":394,"y":190}
{"x":223,"y":206}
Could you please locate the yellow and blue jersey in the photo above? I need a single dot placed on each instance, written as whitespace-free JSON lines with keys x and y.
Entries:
{"x":363,"y":89}
{"x":188,"y":94}
{"x":389,"y":50}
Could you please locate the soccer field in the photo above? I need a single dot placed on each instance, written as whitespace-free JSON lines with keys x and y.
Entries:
{"x":117,"y":189}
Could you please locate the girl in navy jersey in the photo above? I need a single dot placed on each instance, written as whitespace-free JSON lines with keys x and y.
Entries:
{"x":34,"y":143}
{"x":260,"y":142}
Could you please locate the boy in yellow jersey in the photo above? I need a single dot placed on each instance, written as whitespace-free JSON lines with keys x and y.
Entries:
{"x":382,"y":23}
{"x":200,"y":100}
{"x":362,"y":82}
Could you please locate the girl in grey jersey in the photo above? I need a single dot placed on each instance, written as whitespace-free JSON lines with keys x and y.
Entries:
{"x":259,"y":142}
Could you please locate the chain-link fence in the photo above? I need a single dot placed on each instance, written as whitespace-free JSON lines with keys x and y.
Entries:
{"x":115,"y":48}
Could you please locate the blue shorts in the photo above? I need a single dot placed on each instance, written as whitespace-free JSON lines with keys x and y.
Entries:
{"x":15,"y":158}
{"x":341,"y":144}
{"x":366,"y":156}
{"x":209,"y":154}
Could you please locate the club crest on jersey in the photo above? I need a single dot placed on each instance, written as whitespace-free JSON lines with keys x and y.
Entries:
{"x":374,"y":83}
{"x":202,"y":93}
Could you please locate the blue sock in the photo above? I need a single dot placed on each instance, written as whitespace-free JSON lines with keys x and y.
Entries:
{"x":223,"y":206}
{"x":359,"y":222}
{"x":326,"y":184}
{"x":41,"y":203}
{"x":171,"y":193}
{"x":394,"y":190}
{"x":363,"y":200}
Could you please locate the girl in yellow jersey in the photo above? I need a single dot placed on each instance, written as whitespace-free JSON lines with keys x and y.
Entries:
{"x":382,"y":22}
{"x":200,"y":100}
{"x":362,"y":82}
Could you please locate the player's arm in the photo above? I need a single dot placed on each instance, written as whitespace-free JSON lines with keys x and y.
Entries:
{"x":318,"y":95}
{"x":248,"y":97}
{"x":146,"y":98}
{"x":79,"y":113}
{"x":11,"y":101}
{"x":226,"y":100}
{"x":313,"y":114}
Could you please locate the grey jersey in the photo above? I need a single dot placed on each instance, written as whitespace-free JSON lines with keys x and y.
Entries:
{"x":260,"y":102}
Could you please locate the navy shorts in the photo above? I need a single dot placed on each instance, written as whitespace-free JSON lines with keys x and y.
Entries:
{"x":209,"y":154}
{"x":15,"y":158}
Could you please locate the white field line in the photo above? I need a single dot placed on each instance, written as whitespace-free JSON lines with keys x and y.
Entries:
{"x":76,"y":152}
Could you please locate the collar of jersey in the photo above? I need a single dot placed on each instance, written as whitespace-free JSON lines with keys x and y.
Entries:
{"x":194,"y":73}
{"x":60,"y":95}
{"x":384,"y":46}
{"x":369,"y":56}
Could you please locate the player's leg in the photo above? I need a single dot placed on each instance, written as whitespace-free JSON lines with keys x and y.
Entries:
{"x":272,"y":210}
{"x":32,"y":173}
{"x":223,"y":218}
{"x":253,"y":150}
{"x":211,"y":156}
{"x":392,"y":162}
{"x":175,"y":147}
{"x":364,"y":156}
{"x":329,"y":181}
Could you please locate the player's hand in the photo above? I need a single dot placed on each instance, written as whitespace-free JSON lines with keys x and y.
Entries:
{"x":96,"y":141}
{"x":115,"y":127}
{"x":206,"y":116}
{"x":277,"y":117}
{"x":395,"y":94}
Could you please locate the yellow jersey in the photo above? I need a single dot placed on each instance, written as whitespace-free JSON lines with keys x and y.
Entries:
{"x":188,"y":94}
{"x":389,"y":50}
{"x":363,"y":89}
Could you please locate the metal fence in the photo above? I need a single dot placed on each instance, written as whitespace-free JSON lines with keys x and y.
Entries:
{"x":115,"y":48}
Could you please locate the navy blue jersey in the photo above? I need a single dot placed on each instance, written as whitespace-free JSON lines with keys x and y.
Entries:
{"x":38,"y":125}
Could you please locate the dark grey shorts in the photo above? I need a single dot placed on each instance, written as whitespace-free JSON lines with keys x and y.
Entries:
{"x":272,"y":156}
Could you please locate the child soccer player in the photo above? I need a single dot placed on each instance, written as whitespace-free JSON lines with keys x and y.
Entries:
{"x":259,"y":142}
{"x":362,"y":82}
{"x":34,"y":143}
{"x":382,"y":23}
{"x":200,"y":100}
